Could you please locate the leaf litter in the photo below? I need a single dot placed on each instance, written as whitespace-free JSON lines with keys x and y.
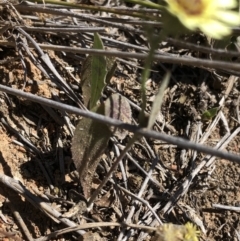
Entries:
{"x":185,"y":185}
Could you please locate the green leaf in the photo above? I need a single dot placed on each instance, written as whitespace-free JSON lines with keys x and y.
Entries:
{"x":158,"y":101}
{"x":111,"y":67}
{"x":209,"y":114}
{"x":98,"y":73}
{"x":87,"y":79}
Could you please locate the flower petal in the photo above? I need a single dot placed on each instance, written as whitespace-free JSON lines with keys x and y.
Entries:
{"x":190,"y":23}
{"x":230,"y":17}
{"x":215,"y":29}
{"x":226,"y":3}
{"x":213,"y":17}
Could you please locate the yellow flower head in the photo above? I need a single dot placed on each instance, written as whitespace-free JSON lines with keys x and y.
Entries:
{"x":172,"y":232}
{"x":213,"y":17}
{"x":191,"y":232}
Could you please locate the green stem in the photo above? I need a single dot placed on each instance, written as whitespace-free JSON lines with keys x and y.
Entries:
{"x":153,"y":41}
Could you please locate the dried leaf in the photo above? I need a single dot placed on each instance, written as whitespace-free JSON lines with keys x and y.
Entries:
{"x":86,"y":80}
{"x":89,"y":142}
{"x":117,"y":107}
{"x":77,"y":209}
{"x":158,"y":101}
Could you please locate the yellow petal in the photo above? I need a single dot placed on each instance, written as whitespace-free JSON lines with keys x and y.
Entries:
{"x":230,"y":17}
{"x":226,"y":3}
{"x":190,"y":23}
{"x":214,"y":18}
{"x":215,"y":29}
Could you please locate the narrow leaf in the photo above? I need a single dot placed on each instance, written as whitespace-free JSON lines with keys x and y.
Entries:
{"x":158,"y":101}
{"x":154,"y":40}
{"x":111,"y":67}
{"x":117,"y":107}
{"x":91,"y":138}
{"x":89,"y":142}
{"x":86,"y":77}
{"x":98,"y":73}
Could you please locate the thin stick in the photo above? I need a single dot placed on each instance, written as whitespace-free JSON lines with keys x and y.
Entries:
{"x":18,"y":187}
{"x":180,"y":142}
{"x":20,"y":221}
{"x":164,"y":59}
{"x":225,"y":207}
{"x":186,"y":184}
{"x":118,"y":11}
{"x":64,"y":12}
{"x":112,"y":169}
{"x":146,"y":203}
{"x":208,"y":50}
{"x":93,"y":225}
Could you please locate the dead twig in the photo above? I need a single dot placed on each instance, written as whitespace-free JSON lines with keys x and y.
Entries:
{"x":36,"y":201}
{"x":180,"y":142}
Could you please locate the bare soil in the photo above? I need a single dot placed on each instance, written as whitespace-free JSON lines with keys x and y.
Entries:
{"x":33,"y":142}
